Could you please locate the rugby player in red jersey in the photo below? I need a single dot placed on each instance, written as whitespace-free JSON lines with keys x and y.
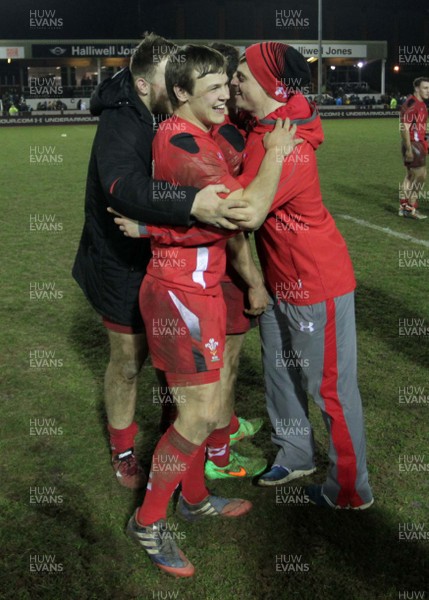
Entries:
{"x":414,"y":116}
{"x":182,"y":291}
{"x":221,"y":461}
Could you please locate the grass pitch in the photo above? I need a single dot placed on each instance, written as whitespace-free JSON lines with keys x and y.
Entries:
{"x":63,"y":514}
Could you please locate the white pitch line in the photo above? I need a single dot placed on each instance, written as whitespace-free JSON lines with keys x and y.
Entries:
{"x":391,"y":232}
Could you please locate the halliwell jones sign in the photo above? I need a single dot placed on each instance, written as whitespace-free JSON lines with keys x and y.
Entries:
{"x":81,"y":50}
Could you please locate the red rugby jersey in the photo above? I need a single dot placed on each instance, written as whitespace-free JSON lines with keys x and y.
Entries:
{"x":191,"y":259}
{"x":231,"y":141}
{"x":415,"y":113}
{"x":303,"y":256}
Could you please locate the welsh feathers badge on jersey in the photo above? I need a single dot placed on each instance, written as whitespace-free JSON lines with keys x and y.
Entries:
{"x":212,"y":346}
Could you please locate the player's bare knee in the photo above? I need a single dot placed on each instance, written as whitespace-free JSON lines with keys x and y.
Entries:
{"x":124,"y":370}
{"x":130,"y":370}
{"x":210,"y":426}
{"x":208,"y":419}
{"x":420,"y":178}
{"x":418,"y":175}
{"x":127,"y":355}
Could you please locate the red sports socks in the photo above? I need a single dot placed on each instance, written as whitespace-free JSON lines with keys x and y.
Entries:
{"x":122,"y":439}
{"x":234,"y":424}
{"x":193,"y":483}
{"x":172,"y":458}
{"x":218,"y":446}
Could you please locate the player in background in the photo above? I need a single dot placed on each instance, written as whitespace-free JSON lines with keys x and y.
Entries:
{"x":308,"y":330}
{"x":190,"y":294}
{"x":413,"y":120}
{"x":110,"y":268}
{"x":223,"y":462}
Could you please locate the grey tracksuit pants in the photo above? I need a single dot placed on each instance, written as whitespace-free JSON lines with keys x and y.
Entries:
{"x":313,"y":349}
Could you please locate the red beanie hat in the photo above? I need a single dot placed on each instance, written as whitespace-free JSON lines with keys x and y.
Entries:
{"x":278,"y":68}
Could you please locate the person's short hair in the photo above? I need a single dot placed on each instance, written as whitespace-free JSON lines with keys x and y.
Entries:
{"x":232,"y":55}
{"x":149,"y":53}
{"x":181,"y":66}
{"x":417,"y":82}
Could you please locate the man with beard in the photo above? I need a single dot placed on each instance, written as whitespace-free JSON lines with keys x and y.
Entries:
{"x":108,"y":267}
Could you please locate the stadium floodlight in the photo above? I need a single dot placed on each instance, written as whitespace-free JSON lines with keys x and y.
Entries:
{"x":396,"y":68}
{"x":333,"y":67}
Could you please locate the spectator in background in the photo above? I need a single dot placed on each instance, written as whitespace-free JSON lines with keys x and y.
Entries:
{"x":23,"y":106}
{"x":13,"y":111}
{"x":6,"y":103}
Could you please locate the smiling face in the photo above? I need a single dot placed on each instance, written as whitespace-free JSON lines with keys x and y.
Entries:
{"x":249,"y":94}
{"x":206,"y":106}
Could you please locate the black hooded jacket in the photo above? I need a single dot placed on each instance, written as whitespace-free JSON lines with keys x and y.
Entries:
{"x":110,"y":267}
